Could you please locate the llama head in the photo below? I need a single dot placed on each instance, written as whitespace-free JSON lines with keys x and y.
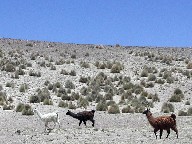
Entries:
{"x":68,"y":112}
{"x":146,"y":111}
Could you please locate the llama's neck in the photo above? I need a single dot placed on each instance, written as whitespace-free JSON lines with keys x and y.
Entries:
{"x":73,"y":114}
{"x":151,"y":119}
{"x":39,"y":114}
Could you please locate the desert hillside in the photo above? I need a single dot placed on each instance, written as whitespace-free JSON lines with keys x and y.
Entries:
{"x":119,"y":82}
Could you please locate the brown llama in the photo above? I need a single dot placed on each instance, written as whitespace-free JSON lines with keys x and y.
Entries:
{"x":83,"y":116}
{"x":162,"y":123}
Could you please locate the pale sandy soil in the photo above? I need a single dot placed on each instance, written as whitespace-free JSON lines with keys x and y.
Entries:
{"x":109,"y":128}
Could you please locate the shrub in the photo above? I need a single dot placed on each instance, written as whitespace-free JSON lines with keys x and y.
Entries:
{"x":189,"y":111}
{"x":73,"y":56}
{"x":101,"y":106}
{"x":75,"y":95}
{"x":63,"y":104}
{"x":149,"y":85}
{"x":65,"y":97}
{"x":187,"y":103}
{"x":160,"y":81}
{"x":9,"y":84}
{"x":151,"y":77}
{"x":44,"y":94}
{"x":10,"y":67}
{"x":111,"y":102}
{"x":127,"y":109}
{"x":23,"y":88}
{"x":58,"y":84}
{"x":64,"y":72}
{"x":46,"y":83}
{"x":34,"y":99}
{"x":20,"y":107}
{"x":108,"y":96}
{"x":182,"y":113}
{"x":71,"y":106}
{"x":189,"y":65}
{"x":53,"y":67}
{"x":29,"y":44}
{"x":170,"y":79}
{"x":84,"y":64}
{"x":3,"y":98}
{"x":20,"y":72}
{"x":69,"y":84}
{"x":113,"y":109}
{"x":83,"y":79}
{"x":167,"y":107}
{"x":8,"y":107}
{"x":115,"y":68}
{"x":72,"y":73}
{"x":144,"y":73}
{"x":175,"y":98}
{"x":50,"y":87}
{"x":155,"y":98}
{"x":177,"y":91}
{"x":27,"y":110}
{"x":47,"y":102}
{"x":84,"y":91}
{"x":82,"y":102}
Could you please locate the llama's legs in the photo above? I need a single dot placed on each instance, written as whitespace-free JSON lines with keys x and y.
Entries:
{"x":46,"y":123}
{"x":58,"y":123}
{"x":80,"y":122}
{"x":168,"y":132}
{"x":175,"y":129}
{"x":155,"y":131}
{"x":84,"y":123}
{"x":161,"y":132}
{"x":93,"y":122}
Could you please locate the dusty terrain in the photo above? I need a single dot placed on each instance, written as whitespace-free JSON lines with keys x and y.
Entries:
{"x":109,"y":128}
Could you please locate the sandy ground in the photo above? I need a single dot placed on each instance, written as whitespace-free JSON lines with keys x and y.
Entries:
{"x":109,"y":128}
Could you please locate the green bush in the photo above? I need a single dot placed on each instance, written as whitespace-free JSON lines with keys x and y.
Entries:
{"x":47,"y":102}
{"x":187,"y":103}
{"x":167,"y":107}
{"x":83,"y":79}
{"x":151,"y":77}
{"x":189,"y":111}
{"x":69,"y":84}
{"x":160,"y":81}
{"x":127,"y":109}
{"x":43,"y":94}
{"x":113,"y":109}
{"x":72,"y":73}
{"x":101,"y":106}
{"x":189,"y":65}
{"x":8,"y":107}
{"x":115,"y":68}
{"x":84,"y":64}
{"x":71,"y":106}
{"x":10,"y":68}
{"x":144,"y":73}
{"x":182,"y":113}
{"x":20,"y":107}
{"x":63,"y":104}
{"x":23,"y":88}
{"x":34,"y":99}
{"x":27,"y":110}
{"x":82,"y":102}
{"x":64,"y":72}
{"x":175,"y":98}
{"x":177,"y":91}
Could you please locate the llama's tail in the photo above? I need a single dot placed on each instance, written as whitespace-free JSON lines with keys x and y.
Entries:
{"x":173,"y":116}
